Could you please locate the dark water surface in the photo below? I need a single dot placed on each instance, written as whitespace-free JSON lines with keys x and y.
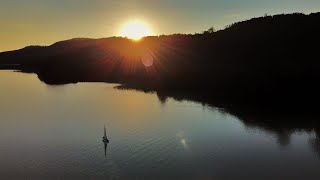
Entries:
{"x":52,"y":132}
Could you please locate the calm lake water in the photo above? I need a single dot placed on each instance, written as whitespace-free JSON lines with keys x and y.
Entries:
{"x":52,"y":132}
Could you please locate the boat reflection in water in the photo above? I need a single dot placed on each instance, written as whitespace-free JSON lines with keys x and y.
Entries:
{"x":105,"y":149}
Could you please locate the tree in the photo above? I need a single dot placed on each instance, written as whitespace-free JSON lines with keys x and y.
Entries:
{"x":210,"y":31}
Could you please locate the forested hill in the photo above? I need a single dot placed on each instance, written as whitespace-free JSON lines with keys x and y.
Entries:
{"x":257,"y":60}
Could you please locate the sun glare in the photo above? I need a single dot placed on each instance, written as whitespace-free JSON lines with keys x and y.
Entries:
{"x":135,"y":30}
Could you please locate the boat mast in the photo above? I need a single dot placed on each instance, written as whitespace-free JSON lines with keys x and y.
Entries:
{"x":105,"y":133}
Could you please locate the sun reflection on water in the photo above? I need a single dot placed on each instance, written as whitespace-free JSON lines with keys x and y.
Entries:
{"x":181,"y":136}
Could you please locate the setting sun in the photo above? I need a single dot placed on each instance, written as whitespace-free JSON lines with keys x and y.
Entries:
{"x":135,"y":30}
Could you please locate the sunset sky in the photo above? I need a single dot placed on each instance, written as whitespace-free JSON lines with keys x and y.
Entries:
{"x":43,"y":22}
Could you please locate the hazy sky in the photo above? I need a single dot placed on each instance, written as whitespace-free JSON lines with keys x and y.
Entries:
{"x":43,"y":22}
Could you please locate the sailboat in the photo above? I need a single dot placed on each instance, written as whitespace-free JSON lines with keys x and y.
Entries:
{"x":104,"y":138}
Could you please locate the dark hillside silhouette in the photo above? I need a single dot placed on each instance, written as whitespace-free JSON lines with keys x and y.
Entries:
{"x":256,"y":66}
